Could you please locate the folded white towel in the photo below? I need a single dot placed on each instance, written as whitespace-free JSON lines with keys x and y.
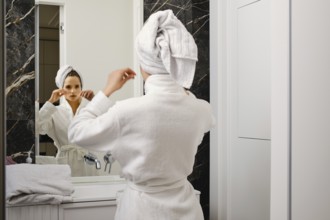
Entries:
{"x":165,"y":46}
{"x":33,"y":183}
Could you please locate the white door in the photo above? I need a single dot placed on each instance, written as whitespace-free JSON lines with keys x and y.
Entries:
{"x":249,"y":110}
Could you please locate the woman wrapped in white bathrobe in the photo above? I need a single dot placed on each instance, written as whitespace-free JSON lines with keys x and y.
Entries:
{"x":55,"y":120}
{"x":154,"y":137}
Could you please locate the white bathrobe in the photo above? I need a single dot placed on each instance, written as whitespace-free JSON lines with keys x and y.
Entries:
{"x":54,"y":121}
{"x":155,"y":139}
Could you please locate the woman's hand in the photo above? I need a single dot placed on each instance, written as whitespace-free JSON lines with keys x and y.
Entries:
{"x":117,"y":79}
{"x":87,"y":94}
{"x":56,"y":95}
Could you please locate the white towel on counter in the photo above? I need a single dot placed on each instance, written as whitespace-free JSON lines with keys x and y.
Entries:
{"x":33,"y":184}
{"x":164,"y":46}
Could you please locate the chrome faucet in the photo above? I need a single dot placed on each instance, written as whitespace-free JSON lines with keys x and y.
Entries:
{"x":108,"y":159}
{"x":91,"y":160}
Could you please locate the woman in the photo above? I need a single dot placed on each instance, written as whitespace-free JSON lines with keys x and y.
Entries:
{"x":154,"y":137}
{"x":54,"y":120}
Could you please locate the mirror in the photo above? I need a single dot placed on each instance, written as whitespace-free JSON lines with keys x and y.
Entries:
{"x":94,"y":38}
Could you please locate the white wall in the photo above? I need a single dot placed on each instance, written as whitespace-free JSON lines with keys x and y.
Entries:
{"x":99,"y":39}
{"x":310,"y":110}
{"x":301,"y":118}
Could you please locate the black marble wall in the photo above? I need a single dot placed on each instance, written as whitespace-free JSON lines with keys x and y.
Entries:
{"x":20,"y":76}
{"x":194,"y":14}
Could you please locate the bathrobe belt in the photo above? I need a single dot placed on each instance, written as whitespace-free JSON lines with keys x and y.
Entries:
{"x":73,"y":148}
{"x":156,"y":189}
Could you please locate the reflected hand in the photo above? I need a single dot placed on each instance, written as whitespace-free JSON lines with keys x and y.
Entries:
{"x":56,"y":95}
{"x":87,"y":94}
{"x":117,"y":79}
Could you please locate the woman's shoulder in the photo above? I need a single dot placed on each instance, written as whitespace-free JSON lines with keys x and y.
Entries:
{"x":198,"y":100}
{"x":134,"y":101}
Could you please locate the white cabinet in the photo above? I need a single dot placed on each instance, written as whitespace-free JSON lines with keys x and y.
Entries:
{"x":90,"y":202}
{"x":96,"y":210}
{"x":99,"y":210}
{"x":32,"y":212}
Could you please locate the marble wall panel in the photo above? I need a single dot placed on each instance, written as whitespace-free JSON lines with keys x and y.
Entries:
{"x":20,"y":76}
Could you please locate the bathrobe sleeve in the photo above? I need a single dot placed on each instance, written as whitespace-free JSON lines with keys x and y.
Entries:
{"x":96,"y":127}
{"x":45,"y":118}
{"x":210,"y":120}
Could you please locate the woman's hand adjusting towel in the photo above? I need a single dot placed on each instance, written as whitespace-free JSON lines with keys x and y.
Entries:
{"x":117,"y":79}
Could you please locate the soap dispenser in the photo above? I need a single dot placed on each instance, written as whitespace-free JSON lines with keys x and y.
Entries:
{"x":29,"y":159}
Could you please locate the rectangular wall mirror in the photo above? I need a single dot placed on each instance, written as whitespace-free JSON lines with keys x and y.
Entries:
{"x":81,"y":34}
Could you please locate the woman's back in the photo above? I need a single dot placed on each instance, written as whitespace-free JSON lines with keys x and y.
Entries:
{"x":162,"y":131}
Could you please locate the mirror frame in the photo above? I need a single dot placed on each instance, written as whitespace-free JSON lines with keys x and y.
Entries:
{"x":2,"y":113}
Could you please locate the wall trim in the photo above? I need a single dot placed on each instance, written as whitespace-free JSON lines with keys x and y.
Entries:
{"x":280,"y":110}
{"x":218,"y":100}
{"x":137,"y":25}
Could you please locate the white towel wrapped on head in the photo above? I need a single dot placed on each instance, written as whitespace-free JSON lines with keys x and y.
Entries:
{"x":165,"y":46}
{"x":62,"y":73}
{"x":33,"y":183}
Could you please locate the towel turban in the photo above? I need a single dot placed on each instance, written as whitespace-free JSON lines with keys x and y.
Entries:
{"x":62,"y":73}
{"x":164,"y":46}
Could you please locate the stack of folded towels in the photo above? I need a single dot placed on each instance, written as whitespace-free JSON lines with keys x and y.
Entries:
{"x":35,"y":184}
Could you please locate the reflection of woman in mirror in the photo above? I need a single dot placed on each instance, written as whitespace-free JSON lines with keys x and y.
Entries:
{"x":154,"y":137}
{"x":55,"y":119}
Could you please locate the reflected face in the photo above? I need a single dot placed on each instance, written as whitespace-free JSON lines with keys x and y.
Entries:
{"x":72,"y":88}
